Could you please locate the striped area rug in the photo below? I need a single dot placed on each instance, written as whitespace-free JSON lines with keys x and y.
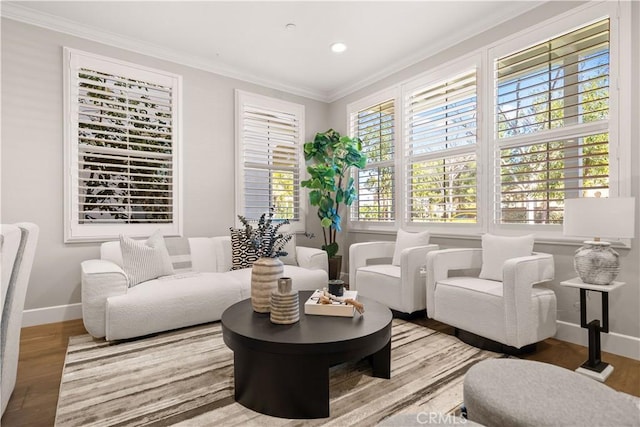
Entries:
{"x":185,"y":377}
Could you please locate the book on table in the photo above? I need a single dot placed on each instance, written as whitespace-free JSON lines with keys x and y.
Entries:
{"x":336,"y":308}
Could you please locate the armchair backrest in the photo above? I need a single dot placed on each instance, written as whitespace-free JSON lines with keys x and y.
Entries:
{"x":19,"y":248}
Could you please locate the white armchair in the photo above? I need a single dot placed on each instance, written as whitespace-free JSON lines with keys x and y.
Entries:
{"x":17,"y":248}
{"x":514,"y":312}
{"x":399,"y":287}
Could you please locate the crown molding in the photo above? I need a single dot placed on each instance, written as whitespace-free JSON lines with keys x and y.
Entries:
{"x":13,"y":11}
{"x":435,"y":48}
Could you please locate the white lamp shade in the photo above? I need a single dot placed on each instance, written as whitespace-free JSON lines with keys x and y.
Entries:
{"x":599,"y":217}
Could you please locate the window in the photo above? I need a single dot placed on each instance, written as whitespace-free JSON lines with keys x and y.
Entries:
{"x":495,"y":141}
{"x":269,"y":142}
{"x":552,"y":122}
{"x":122,"y":148}
{"x":375,"y":126}
{"x":440,"y":151}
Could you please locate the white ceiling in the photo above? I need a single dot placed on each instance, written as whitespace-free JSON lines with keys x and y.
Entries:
{"x":248,"y":40}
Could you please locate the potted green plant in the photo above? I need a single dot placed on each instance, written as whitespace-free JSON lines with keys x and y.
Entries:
{"x":331,"y":157}
{"x":268,"y":243}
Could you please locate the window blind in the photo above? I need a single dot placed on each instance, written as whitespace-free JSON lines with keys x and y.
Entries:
{"x":552,"y":111}
{"x":375,"y":126}
{"x":440,"y":151}
{"x":270,"y":159}
{"x":125,"y":149}
{"x":124,"y":140}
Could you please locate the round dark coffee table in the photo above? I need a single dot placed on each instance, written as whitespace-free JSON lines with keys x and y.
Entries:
{"x":283,"y":370}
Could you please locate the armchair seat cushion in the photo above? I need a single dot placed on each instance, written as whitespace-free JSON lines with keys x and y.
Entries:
{"x":477,"y":306}
{"x":381,"y":283}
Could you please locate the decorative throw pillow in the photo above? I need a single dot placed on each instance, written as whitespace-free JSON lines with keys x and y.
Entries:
{"x":497,"y":249}
{"x":290,"y":249}
{"x":242,"y":254}
{"x":406,"y":240}
{"x":145,"y":260}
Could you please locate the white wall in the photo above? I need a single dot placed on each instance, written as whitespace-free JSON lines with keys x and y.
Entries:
{"x":32,"y":151}
{"x":624,"y":304}
{"x":32,"y":159}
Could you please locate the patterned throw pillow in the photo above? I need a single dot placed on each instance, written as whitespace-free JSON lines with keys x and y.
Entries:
{"x":242,"y":254}
{"x":145,"y":260}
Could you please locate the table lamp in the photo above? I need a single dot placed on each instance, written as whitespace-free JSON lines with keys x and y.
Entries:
{"x":610,"y":217}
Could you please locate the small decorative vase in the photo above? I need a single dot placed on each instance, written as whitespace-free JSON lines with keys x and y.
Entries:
{"x":285,"y":307}
{"x":596,"y":263}
{"x":264,"y":280}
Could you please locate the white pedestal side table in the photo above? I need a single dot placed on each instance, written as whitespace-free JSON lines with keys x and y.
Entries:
{"x":594,"y":367}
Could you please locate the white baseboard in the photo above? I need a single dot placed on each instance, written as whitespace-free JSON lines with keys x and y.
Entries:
{"x":612,"y":342}
{"x":58,"y":313}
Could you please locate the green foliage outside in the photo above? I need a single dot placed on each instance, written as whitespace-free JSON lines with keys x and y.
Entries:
{"x":536,"y":178}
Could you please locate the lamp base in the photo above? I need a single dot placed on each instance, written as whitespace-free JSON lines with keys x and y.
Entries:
{"x":597,"y":263}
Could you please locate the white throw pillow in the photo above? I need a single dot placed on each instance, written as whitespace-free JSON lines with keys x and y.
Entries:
{"x":145,"y":260}
{"x":290,"y":249}
{"x":497,"y":249}
{"x":406,"y":240}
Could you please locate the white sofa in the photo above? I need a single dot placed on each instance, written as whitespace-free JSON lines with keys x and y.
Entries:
{"x":199,"y":294}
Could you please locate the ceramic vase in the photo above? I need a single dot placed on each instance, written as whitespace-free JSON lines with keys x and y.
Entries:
{"x":596,"y":263}
{"x":264,"y":280}
{"x":285,"y":306}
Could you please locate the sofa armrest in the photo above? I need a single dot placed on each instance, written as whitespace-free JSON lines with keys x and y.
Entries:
{"x":101,"y":279}
{"x":360,"y":253}
{"x":440,"y":262}
{"x":519,"y":276}
{"x":312,"y":258}
{"x":412,"y":267}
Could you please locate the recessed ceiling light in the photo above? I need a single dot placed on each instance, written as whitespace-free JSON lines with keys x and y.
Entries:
{"x":338,"y":47}
{"x":290,"y":27}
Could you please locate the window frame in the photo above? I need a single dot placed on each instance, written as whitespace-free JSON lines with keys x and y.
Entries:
{"x":380,"y":97}
{"x":619,"y":127}
{"x":433,"y":77}
{"x":241,"y":98}
{"x":73,"y":230}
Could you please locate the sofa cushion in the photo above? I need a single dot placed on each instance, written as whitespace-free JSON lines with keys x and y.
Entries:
{"x":498,"y":249}
{"x":145,"y":260}
{"x":290,"y":249}
{"x":405,"y":240}
{"x":302,"y":279}
{"x":171,"y":302}
{"x":242,"y":254}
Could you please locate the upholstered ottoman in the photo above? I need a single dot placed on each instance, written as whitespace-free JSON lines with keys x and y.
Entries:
{"x":513,"y":392}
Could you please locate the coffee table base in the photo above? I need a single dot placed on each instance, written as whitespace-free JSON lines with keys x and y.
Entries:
{"x":291,"y":386}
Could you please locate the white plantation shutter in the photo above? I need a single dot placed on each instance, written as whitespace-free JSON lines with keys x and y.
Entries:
{"x":440,"y":151}
{"x":269,"y":157}
{"x":375,"y":126}
{"x":122,"y":153}
{"x":552,"y":122}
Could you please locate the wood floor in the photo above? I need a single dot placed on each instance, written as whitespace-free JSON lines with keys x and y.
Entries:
{"x":43,"y":348}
